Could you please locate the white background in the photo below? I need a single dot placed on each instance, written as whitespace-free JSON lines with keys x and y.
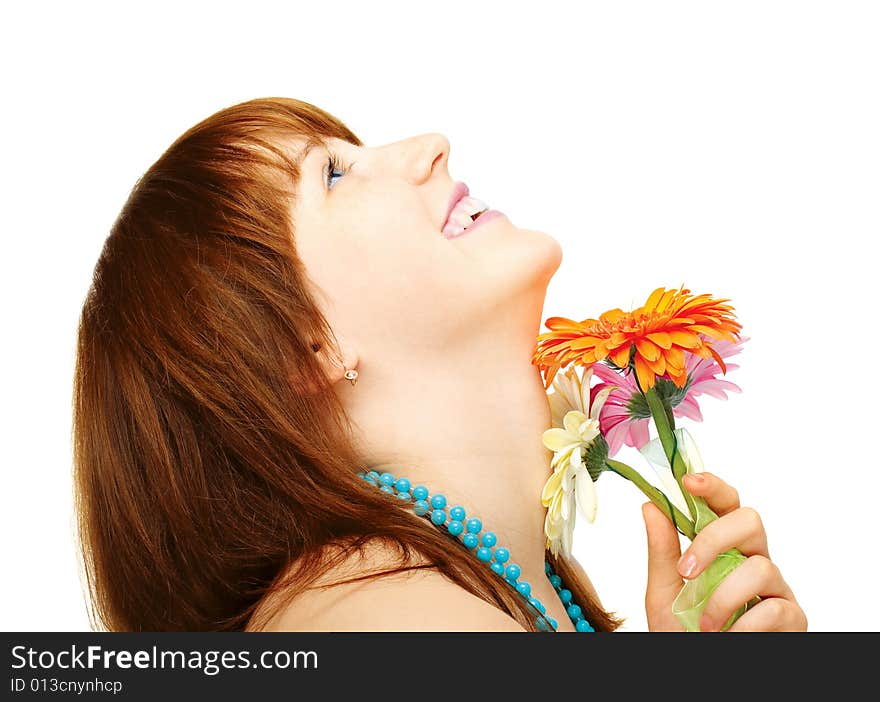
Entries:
{"x":732,"y":147}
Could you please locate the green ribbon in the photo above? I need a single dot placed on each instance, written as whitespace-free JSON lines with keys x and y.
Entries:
{"x":690,"y":603}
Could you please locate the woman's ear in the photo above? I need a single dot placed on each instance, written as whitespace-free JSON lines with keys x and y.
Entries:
{"x":333,"y":365}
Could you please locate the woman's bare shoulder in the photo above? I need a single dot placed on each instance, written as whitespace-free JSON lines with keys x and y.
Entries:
{"x":419,"y":599}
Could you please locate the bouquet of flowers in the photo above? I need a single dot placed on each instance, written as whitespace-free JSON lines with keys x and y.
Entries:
{"x":653,"y":363}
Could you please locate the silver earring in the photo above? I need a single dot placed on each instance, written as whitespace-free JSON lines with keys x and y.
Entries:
{"x":352,"y":376}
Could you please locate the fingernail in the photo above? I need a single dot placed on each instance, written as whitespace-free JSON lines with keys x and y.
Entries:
{"x":687,"y":564}
{"x":698,"y":479}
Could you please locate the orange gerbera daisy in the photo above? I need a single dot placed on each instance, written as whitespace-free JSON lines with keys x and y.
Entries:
{"x":652,"y":338}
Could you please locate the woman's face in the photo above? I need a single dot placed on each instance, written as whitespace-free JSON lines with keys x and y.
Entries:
{"x":369,"y":234}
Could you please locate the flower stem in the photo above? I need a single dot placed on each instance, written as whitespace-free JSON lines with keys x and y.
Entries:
{"x":665,"y":423}
{"x":664,"y":420}
{"x":681,"y":522}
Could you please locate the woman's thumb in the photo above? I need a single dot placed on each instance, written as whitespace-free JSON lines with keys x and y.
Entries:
{"x":664,"y":550}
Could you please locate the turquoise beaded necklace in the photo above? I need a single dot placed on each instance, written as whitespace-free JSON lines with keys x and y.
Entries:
{"x":484,"y":547}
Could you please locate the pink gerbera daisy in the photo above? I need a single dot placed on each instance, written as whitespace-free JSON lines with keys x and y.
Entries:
{"x":624,"y":417}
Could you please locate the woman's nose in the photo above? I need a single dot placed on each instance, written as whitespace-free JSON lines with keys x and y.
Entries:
{"x":424,"y":155}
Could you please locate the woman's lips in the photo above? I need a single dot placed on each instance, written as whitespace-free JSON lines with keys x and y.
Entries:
{"x":482,"y":219}
{"x":463,"y":215}
{"x":459,"y":191}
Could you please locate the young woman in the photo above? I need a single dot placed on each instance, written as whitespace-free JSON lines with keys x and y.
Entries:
{"x":279,"y":309}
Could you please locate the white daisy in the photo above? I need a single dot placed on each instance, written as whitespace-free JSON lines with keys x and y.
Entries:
{"x":570,"y":489}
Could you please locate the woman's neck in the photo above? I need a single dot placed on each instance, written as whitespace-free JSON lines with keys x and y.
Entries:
{"x":467,"y":424}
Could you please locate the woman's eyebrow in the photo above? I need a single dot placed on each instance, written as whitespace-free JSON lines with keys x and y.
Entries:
{"x":303,"y":155}
{"x":307,"y":149}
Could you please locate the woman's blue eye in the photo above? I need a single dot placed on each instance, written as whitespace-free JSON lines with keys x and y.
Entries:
{"x":334,"y":167}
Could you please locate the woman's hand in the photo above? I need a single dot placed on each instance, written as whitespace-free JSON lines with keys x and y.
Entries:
{"x":736,"y":526}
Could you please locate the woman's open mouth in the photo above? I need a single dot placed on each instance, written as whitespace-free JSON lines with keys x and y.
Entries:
{"x":464,"y":213}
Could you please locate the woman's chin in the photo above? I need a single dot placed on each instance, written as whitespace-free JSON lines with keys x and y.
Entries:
{"x":537,"y":254}
{"x":553,"y":249}
{"x":527,"y":261}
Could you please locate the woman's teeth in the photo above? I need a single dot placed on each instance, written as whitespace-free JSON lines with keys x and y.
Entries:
{"x":463,"y":215}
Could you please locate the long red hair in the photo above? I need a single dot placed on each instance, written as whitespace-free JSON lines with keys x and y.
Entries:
{"x":201,"y":472}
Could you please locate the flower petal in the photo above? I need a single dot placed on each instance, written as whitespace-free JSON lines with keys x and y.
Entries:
{"x":588,"y":431}
{"x":556,"y":506}
{"x":567,"y":475}
{"x":567,"y":538}
{"x":639,"y":432}
{"x":621,"y":356}
{"x":558,"y":408}
{"x":584,"y":342}
{"x":599,"y":401}
{"x":661,"y":338}
{"x":561,"y":458}
{"x":567,"y":386}
{"x":551,"y":487}
{"x":585,"y":494}
{"x":658,"y":366}
{"x":675,"y":358}
{"x":612,"y":315}
{"x":684,"y":338}
{"x":716,"y":387}
{"x":689,"y":408}
{"x":576,"y":459}
{"x":552,"y":527}
{"x":573,"y":420}
{"x":566,"y":505}
{"x":585,"y":389}
{"x":644,"y":374}
{"x":648,"y":349}
{"x":651,"y":304}
{"x":557,"y":439}
{"x":615,"y":438}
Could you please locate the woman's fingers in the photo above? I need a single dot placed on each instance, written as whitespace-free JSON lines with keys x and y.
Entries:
{"x":757,"y":575}
{"x":773,"y":614}
{"x":740,"y":529}
{"x":664,"y":582}
{"x":721,"y":497}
